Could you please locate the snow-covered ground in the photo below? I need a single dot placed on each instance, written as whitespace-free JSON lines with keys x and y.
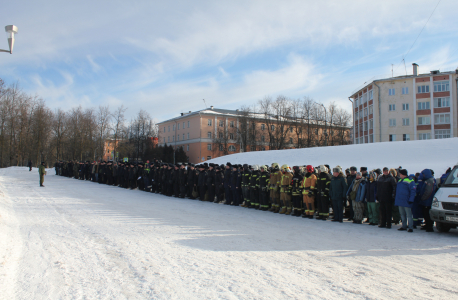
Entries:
{"x":414,"y":156}
{"x":81,"y":240}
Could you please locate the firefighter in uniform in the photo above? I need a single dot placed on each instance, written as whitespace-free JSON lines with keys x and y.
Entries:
{"x":254,"y":187}
{"x":246,"y":174}
{"x":285,"y":191}
{"x":274,"y":182}
{"x":323,"y":181}
{"x":296,"y":191}
{"x":308,"y":192}
{"x":264,"y":190}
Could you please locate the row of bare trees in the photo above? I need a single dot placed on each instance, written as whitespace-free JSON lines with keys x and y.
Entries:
{"x":29,"y":130}
{"x":284,"y":123}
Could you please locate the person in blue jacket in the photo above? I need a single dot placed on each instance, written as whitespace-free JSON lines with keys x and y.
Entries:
{"x":444,"y":176}
{"x":405,"y":196}
{"x":426,"y":195}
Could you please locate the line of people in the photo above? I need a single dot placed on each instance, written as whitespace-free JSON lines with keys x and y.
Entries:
{"x":378,"y":197}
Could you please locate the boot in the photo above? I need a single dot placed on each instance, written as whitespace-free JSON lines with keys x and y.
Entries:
{"x":277,"y":209}
{"x":283,"y":210}
{"x":310,"y":216}
{"x":288,"y":211}
{"x":243,"y":204}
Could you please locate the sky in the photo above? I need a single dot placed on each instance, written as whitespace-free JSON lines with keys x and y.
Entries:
{"x":165,"y":57}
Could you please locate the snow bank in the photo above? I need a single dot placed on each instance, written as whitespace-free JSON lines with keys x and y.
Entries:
{"x":414,"y":156}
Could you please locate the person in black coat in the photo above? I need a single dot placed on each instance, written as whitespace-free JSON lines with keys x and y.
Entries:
{"x":183,"y":180}
{"x":201,"y":183}
{"x":386,"y":192}
{"x":227,"y":183}
{"x":210,"y":183}
{"x":219,"y":185}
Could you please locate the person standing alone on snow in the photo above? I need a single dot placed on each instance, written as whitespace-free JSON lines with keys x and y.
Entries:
{"x":30,"y":165}
{"x":42,"y":172}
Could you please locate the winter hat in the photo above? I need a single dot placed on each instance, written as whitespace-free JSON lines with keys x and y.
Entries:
{"x":363,"y":169}
{"x":353,"y":169}
{"x":393,"y":172}
{"x":358,"y":174}
{"x":403,"y":172}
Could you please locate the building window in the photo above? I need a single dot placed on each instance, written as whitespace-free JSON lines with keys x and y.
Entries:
{"x":169,"y":129}
{"x":164,"y":140}
{"x":291,"y":129}
{"x":221,"y":148}
{"x":424,"y":136}
{"x":406,"y":137}
{"x":252,"y":148}
{"x":424,"y":120}
{"x":231,"y":124}
{"x":423,"y":105}
{"x":441,"y":86}
{"x":164,"y":128}
{"x":221,"y":135}
{"x":405,"y":122}
{"x":366,"y":126}
{"x":209,"y":122}
{"x":442,"y":102}
{"x":360,"y":115}
{"x":356,"y":116}
{"x":221,"y":123}
{"x":263,"y":126}
{"x":371,"y":124}
{"x":442,"y":134}
{"x":209,"y":135}
{"x":263,"y":138}
{"x":272,"y":127}
{"x":183,"y":136}
{"x":356,"y":129}
{"x":442,"y":119}
{"x":178,"y":126}
{"x":187,"y":148}
{"x":290,"y":140}
{"x":231,"y":136}
{"x":168,"y":139}
{"x":405,"y":106}
{"x":392,"y":122}
{"x":173,"y":138}
{"x":174,"y":127}
{"x":209,"y":146}
{"x":231,"y":148}
{"x":183,"y":125}
{"x":371,"y":138}
{"x":371,"y":95}
{"x":361,"y":140}
{"x":405,"y":90}
{"x":392,"y":138}
{"x":356,"y":102}
{"x":188,"y":135}
{"x":371,"y":109}
{"x":365,"y":112}
{"x":391,"y":92}
{"x":364,"y":98}
{"x":188,"y":124}
{"x":209,"y":157}
{"x":422,"y":89}
{"x":178,"y":138}
{"x":392,"y":107}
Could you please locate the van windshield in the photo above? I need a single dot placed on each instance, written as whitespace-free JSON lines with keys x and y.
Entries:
{"x":452,"y":179}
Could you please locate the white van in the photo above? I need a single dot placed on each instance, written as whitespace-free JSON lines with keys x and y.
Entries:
{"x":444,"y":210}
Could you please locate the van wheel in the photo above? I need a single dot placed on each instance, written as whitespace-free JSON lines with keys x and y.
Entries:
{"x":442,"y":227}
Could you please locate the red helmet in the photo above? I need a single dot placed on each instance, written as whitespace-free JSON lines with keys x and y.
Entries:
{"x":310,"y":169}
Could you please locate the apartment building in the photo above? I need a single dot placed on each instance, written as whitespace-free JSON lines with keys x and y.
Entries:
{"x":404,"y":108}
{"x":201,"y":133}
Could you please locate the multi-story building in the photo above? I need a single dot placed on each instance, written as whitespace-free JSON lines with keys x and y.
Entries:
{"x":212,"y":132}
{"x":415,"y":107}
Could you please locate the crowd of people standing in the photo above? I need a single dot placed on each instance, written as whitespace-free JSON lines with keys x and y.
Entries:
{"x":378,"y":197}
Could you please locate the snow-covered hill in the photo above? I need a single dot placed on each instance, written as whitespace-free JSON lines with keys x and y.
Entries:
{"x":414,"y":156}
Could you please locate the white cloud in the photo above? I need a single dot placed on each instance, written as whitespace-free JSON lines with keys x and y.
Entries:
{"x":95,"y":67}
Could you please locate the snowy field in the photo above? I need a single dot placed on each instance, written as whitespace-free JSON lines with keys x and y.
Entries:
{"x":414,"y":156}
{"x":81,"y":240}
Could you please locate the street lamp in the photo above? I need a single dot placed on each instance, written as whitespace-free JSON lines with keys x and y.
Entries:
{"x":10,"y":30}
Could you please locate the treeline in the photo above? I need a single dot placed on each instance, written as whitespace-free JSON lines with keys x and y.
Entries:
{"x":284,"y":123}
{"x":29,"y":130}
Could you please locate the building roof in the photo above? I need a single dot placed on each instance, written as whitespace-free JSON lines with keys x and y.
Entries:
{"x":401,"y":78}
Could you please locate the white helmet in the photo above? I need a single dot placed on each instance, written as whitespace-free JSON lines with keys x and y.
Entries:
{"x":255,"y":167}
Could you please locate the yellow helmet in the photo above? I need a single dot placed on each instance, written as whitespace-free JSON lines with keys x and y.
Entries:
{"x":284,"y":167}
